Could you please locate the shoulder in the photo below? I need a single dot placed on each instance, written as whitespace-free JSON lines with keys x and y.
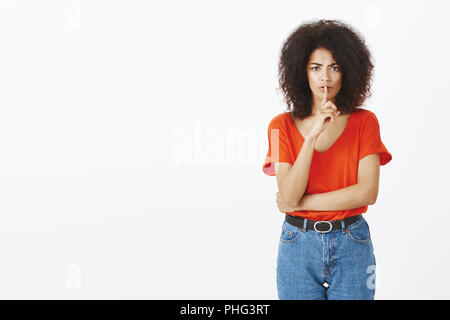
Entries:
{"x":364,"y":116}
{"x":363,"y":113}
{"x":279,"y":121}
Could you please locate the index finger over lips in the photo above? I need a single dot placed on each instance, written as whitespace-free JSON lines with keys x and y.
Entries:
{"x":324,"y":95}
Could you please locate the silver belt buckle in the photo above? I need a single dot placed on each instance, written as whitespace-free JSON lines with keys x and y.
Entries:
{"x":315,"y":228}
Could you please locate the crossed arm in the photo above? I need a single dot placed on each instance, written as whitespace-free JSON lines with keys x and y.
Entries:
{"x":363,"y":193}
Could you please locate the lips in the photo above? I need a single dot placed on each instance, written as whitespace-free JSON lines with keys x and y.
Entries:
{"x":321,"y":87}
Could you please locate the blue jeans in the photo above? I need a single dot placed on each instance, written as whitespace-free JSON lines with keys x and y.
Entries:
{"x":338,"y":265}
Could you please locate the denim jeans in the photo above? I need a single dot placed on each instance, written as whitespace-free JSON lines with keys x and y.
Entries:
{"x":338,"y":265}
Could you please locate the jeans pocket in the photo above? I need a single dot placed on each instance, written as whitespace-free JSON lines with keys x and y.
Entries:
{"x":359,"y":231}
{"x":289,"y":232}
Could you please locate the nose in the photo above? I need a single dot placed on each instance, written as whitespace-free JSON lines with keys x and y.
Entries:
{"x":324,"y":76}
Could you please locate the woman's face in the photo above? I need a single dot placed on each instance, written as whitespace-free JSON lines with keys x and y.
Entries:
{"x":322,"y":70}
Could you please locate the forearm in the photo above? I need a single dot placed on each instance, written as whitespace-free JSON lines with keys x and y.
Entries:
{"x":294,"y":183}
{"x":350,"y":197}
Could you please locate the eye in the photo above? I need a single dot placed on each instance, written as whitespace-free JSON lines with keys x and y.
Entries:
{"x":336,"y":68}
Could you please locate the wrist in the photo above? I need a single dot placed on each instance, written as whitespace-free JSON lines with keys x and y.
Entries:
{"x":311,"y":138}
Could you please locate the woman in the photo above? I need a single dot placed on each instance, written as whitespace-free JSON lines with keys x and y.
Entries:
{"x":326,"y":154}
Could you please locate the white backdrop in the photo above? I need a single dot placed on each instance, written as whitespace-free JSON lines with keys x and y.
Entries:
{"x":132,"y":137}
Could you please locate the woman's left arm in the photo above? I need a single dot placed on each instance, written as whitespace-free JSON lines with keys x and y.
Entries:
{"x":363,"y":193}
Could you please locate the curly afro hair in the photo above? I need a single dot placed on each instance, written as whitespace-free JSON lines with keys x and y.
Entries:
{"x":348,"y":49}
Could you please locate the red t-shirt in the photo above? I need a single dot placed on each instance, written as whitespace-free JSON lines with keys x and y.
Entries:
{"x":334,"y":169}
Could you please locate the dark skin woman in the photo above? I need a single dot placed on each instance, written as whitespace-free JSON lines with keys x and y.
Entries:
{"x":325,"y":152}
{"x":321,"y":114}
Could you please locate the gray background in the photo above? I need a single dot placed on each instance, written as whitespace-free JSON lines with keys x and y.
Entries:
{"x":132,"y":136}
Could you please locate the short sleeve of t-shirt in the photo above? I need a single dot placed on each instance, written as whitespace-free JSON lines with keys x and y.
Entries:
{"x":370,"y":140}
{"x":279,"y":150}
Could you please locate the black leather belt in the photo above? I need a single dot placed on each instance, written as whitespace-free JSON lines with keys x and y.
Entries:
{"x":321,"y":226}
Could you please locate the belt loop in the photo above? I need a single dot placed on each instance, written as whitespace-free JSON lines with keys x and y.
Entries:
{"x":304,"y":224}
{"x":343,"y":225}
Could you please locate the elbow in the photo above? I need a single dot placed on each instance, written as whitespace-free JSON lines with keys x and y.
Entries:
{"x":369,"y":193}
{"x":372,"y":198}
{"x":372,"y":201}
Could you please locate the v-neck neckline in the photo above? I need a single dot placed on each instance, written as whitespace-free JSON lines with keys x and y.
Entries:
{"x":291,"y":121}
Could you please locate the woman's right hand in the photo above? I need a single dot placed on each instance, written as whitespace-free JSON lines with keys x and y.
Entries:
{"x":327,"y":113}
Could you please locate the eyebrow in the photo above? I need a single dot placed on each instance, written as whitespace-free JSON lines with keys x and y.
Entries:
{"x":320,"y":64}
